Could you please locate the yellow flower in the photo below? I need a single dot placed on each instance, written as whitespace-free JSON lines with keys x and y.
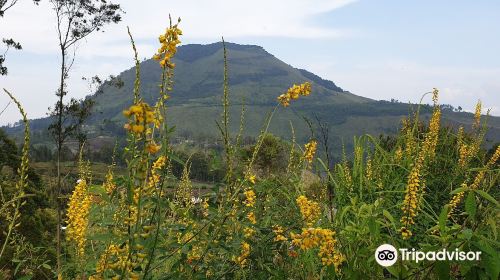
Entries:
{"x":278,"y":231}
{"x":324,"y":240}
{"x":310,"y":150}
{"x":294,"y":92}
{"x":251,"y":217}
{"x":248,"y":232}
{"x":405,"y":233}
{"x":127,"y":113}
{"x":250,"y":198}
{"x":138,"y":129}
{"x":410,"y":201}
{"x":415,"y":186}
{"x":78,"y":211}
{"x":310,"y":210}
{"x":194,"y":254}
{"x":251,"y":178}
{"x":109,"y":185}
{"x":140,"y":115}
{"x":152,"y":148}
{"x":284,"y":99}
{"x":456,"y":199}
{"x":169,"y":41}
{"x":369,"y":169}
{"x":431,"y":138}
{"x":205,"y":206}
{"x":242,"y":259}
{"x":398,"y":155}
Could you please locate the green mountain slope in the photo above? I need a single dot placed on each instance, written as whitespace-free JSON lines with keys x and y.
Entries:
{"x":256,"y":78}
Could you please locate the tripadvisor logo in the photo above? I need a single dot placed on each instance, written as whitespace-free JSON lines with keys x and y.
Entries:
{"x":387,"y":255}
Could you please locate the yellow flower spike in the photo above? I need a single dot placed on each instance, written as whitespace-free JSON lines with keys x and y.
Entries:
{"x":435,"y":95}
{"x":169,"y":41}
{"x":250,"y":198}
{"x":310,"y":210}
{"x":293,"y":93}
{"x":310,"y":150}
{"x":78,"y":211}
{"x":251,"y":217}
{"x":245,"y":252}
{"x":251,"y":178}
{"x":477,"y":115}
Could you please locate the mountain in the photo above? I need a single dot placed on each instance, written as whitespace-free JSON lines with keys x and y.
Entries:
{"x":256,"y":78}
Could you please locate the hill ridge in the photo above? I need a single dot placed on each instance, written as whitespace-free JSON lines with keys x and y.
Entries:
{"x":257,"y":77}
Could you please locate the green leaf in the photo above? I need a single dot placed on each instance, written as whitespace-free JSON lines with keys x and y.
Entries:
{"x":97,"y":189}
{"x":388,"y":216}
{"x":395,"y":271}
{"x":443,"y":217}
{"x":470,"y":204}
{"x":442,"y":269}
{"x":492,"y":265}
{"x":486,"y":196}
{"x":17,"y":267}
{"x":467,"y":233}
{"x":176,"y":158}
{"x":493,"y":224}
{"x":372,"y":226}
{"x":459,"y":190}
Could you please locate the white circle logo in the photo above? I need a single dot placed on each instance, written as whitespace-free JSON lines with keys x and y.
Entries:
{"x":386,"y":255}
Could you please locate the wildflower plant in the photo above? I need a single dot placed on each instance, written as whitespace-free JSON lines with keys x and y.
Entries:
{"x":149,"y":224}
{"x":10,"y":209}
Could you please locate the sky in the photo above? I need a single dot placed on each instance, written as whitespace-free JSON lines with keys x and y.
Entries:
{"x":381,"y":49}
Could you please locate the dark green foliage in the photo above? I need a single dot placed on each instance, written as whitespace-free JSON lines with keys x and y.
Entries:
{"x":8,"y":152}
{"x":41,"y":153}
{"x":37,"y":222}
{"x":272,"y":157}
{"x":205,"y":166}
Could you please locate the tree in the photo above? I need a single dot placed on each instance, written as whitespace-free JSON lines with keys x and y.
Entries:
{"x":9,"y":43}
{"x":76,"y":19}
{"x":5,"y":5}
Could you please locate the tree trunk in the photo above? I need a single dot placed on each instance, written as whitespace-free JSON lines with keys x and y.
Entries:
{"x":60,"y":141}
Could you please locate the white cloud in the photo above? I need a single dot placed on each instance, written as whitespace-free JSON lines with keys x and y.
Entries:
{"x":201,"y":20}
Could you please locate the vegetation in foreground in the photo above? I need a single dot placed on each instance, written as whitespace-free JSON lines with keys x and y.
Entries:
{"x":270,"y":217}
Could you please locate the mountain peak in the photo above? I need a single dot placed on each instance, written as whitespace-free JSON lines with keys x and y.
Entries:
{"x":193,"y":52}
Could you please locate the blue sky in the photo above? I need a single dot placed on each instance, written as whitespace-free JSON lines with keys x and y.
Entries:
{"x":375,"y":48}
